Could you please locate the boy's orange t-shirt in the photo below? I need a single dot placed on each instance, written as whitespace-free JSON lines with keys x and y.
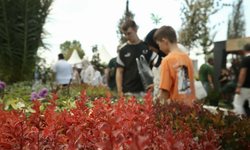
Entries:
{"x":177,"y":77}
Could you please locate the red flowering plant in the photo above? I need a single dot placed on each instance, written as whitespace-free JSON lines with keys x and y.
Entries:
{"x":126,"y":125}
{"x":233,"y":131}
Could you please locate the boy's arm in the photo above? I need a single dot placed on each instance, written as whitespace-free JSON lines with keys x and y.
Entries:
{"x":164,"y":95}
{"x":166,"y":80}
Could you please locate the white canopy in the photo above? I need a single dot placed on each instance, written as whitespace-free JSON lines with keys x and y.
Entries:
{"x":103,"y":54}
{"x":74,"y":58}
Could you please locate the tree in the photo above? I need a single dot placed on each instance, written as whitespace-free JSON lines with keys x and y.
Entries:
{"x":236,"y":22}
{"x":206,"y":36}
{"x":94,"y":48}
{"x":21,"y":34}
{"x":96,"y":61}
{"x":156,"y":19}
{"x":127,"y":15}
{"x":195,"y":17}
{"x":68,"y":47}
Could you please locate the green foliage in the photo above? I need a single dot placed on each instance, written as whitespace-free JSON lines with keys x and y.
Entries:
{"x":195,"y":19}
{"x":68,"y":47}
{"x":44,"y":70}
{"x":127,"y":15}
{"x":17,"y":96}
{"x":194,"y":127}
{"x":94,"y":48}
{"x":214,"y":95}
{"x":21,"y":34}
{"x":156,"y":19}
{"x":236,"y":22}
{"x":96,"y":61}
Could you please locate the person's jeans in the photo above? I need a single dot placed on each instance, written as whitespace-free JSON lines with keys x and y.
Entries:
{"x":206,"y":85}
{"x":240,"y":100}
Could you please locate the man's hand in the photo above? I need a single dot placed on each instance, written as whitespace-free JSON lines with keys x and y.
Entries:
{"x":237,"y":91}
{"x":150,"y":87}
{"x":212,"y":86}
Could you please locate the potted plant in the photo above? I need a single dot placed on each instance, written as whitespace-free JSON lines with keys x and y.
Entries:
{"x":213,"y":96}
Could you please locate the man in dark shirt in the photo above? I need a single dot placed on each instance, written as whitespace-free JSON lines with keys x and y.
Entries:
{"x":243,"y":88}
{"x":127,"y":76}
{"x":223,"y":79}
{"x":110,"y":72}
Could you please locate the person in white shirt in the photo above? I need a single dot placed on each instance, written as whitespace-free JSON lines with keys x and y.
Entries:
{"x":88,"y":72}
{"x":63,"y":71}
{"x":97,"y":77}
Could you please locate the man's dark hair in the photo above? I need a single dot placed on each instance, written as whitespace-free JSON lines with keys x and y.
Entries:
{"x":165,"y":32}
{"x":129,"y":23}
{"x":210,"y":60}
{"x":247,"y":47}
{"x":61,"y":56}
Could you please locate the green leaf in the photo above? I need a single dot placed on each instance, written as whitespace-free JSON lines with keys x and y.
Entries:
{"x":14,"y":106}
{"x":12,"y":102}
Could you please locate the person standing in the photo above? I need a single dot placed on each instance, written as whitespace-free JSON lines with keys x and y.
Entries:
{"x":205,"y":76}
{"x":177,"y":81}
{"x":62,"y":71}
{"x":242,"y":91}
{"x":76,"y":80}
{"x":149,"y":40}
{"x":97,"y":77}
{"x":88,"y":72}
{"x":127,"y":75}
{"x":110,"y":72}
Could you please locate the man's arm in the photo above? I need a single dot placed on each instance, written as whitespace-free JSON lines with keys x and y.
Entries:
{"x":241,"y":80}
{"x":119,"y":77}
{"x":209,"y":77}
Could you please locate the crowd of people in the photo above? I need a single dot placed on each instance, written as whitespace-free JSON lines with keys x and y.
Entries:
{"x":171,"y":67}
{"x":173,"y":75}
{"x":65,"y":74}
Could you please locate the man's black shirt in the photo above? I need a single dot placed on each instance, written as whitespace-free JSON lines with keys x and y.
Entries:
{"x":127,"y":60}
{"x":246,"y":64}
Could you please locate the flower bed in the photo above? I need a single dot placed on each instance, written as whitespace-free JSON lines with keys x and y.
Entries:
{"x":125,"y":125}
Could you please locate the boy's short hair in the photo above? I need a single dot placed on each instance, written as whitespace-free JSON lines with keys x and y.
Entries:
{"x":165,"y":32}
{"x":127,"y":24}
{"x":61,"y":56}
{"x":247,"y":47}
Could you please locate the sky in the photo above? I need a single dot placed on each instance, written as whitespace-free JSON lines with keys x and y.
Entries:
{"x":95,"y":22}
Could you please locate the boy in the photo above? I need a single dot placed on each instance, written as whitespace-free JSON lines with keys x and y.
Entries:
{"x":177,"y":81}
